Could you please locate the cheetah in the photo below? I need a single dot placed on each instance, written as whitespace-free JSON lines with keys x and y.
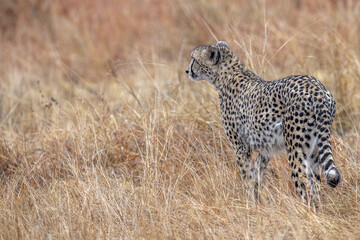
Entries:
{"x":292,"y":114}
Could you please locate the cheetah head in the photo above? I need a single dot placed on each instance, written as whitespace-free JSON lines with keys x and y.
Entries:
{"x":206,"y":61}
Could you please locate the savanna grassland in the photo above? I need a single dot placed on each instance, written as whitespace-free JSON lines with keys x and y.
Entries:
{"x":103,"y":136}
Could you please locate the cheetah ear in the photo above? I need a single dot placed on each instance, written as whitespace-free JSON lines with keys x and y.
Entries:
{"x":214,"y":55}
{"x":222,"y":44}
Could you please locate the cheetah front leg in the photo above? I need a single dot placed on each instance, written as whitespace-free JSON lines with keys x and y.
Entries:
{"x":258,"y":171}
{"x":243,"y":155}
{"x":242,"y":152}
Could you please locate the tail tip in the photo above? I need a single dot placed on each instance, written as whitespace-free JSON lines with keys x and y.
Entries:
{"x":333,"y":178}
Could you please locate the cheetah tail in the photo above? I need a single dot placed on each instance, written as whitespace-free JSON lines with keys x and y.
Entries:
{"x":326,"y":160}
{"x":326,"y":157}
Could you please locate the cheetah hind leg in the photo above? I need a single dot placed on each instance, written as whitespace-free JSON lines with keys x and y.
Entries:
{"x":258,"y":171}
{"x":300,"y":170}
{"x":313,"y":172}
{"x":305,"y":175}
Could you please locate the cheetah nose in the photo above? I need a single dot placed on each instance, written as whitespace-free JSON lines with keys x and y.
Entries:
{"x":187,"y":71}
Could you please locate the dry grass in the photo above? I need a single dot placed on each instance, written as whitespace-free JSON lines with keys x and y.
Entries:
{"x":104,"y":136}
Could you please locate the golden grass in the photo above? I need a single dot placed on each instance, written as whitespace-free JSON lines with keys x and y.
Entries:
{"x":104,"y":136}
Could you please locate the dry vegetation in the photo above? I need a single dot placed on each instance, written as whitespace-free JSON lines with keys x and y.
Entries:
{"x":103,"y":136}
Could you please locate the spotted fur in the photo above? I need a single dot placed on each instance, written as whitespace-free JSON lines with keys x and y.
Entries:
{"x":292,"y":114}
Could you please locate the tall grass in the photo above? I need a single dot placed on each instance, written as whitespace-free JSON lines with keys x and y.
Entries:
{"x":104,"y":136}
